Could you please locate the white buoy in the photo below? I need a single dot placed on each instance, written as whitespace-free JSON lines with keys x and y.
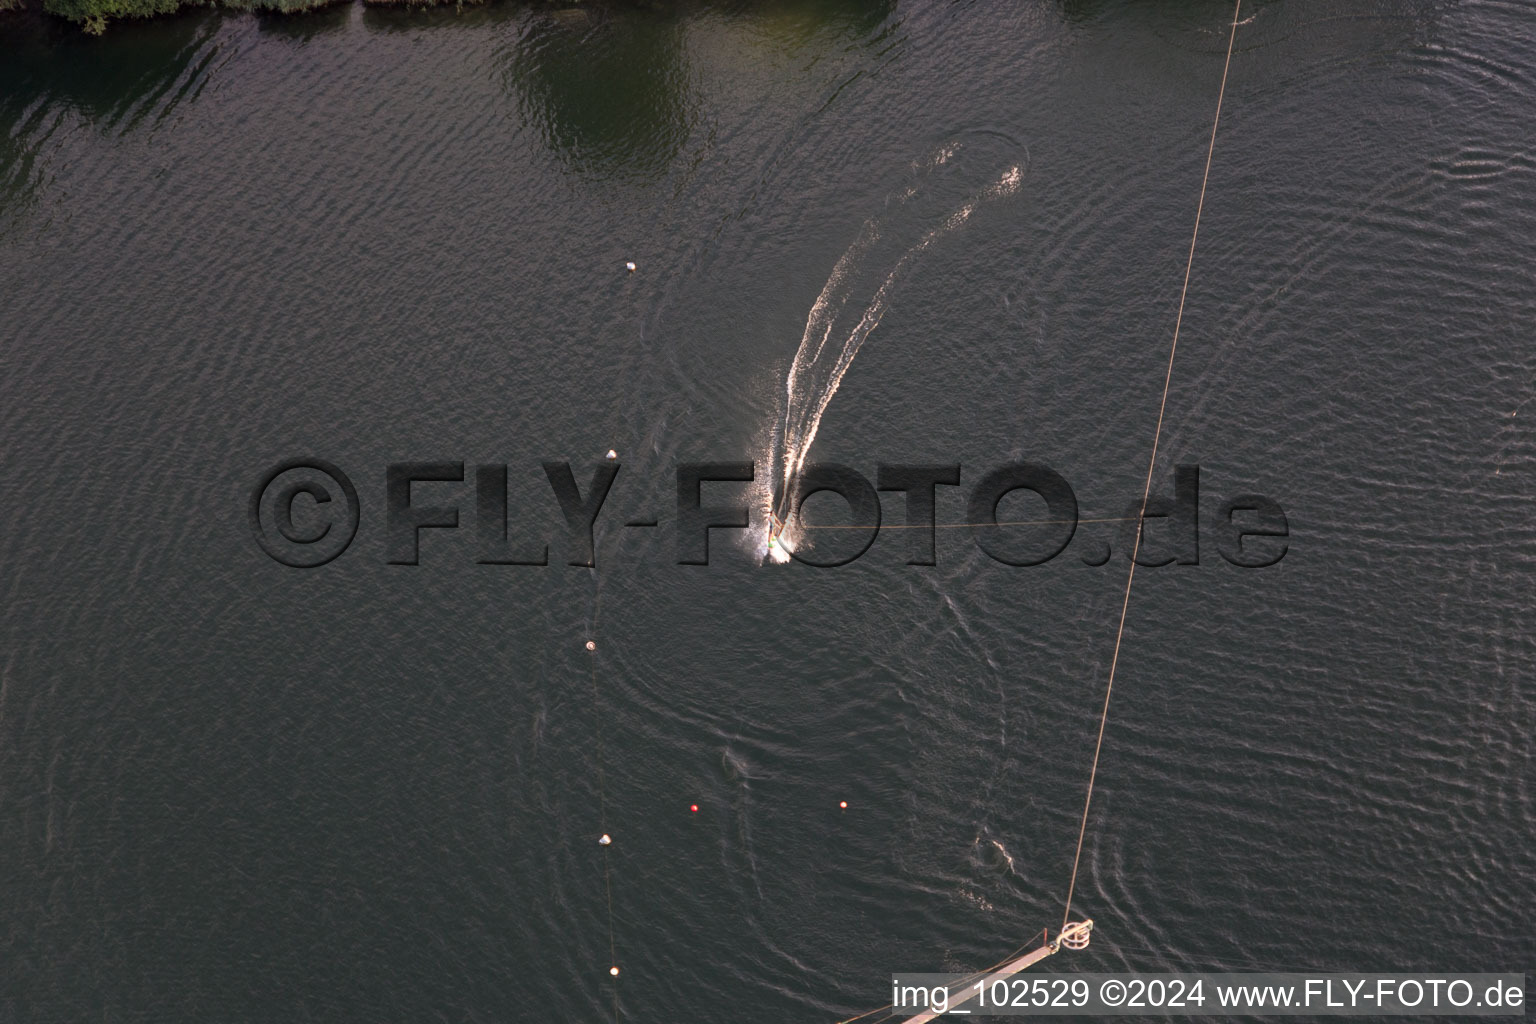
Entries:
{"x":630,"y":266}
{"x":611,"y":455}
{"x":591,"y":646}
{"x":613,"y":971}
{"x":605,"y":840}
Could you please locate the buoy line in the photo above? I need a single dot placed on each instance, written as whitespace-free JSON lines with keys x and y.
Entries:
{"x":1157,"y":436}
{"x":605,"y":840}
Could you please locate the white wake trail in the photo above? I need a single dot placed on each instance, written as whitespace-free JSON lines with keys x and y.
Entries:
{"x":820,"y":364}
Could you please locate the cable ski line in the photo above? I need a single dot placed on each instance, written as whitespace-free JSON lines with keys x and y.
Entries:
{"x":1075,"y":934}
{"x":1146,"y":491}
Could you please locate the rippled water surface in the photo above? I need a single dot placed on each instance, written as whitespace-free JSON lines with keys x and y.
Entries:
{"x":230,"y":790}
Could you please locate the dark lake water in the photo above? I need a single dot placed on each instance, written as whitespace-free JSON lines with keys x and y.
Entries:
{"x":233,"y":790}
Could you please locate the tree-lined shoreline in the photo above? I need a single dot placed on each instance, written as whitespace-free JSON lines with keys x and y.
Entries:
{"x":95,"y":15}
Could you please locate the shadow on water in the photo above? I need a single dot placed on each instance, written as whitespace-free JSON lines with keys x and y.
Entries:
{"x":403,"y":16}
{"x":608,"y":89}
{"x":51,"y":69}
{"x":795,"y":23}
{"x":608,"y":86}
{"x":611,"y":87}
{"x":112,"y":80}
{"x":302,"y":26}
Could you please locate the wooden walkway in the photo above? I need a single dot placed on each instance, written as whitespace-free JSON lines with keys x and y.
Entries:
{"x":1003,"y":973}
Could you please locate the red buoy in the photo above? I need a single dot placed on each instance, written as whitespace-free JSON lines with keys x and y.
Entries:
{"x":694,"y":808}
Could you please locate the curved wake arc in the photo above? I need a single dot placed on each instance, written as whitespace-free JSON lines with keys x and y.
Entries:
{"x":828,"y":345}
